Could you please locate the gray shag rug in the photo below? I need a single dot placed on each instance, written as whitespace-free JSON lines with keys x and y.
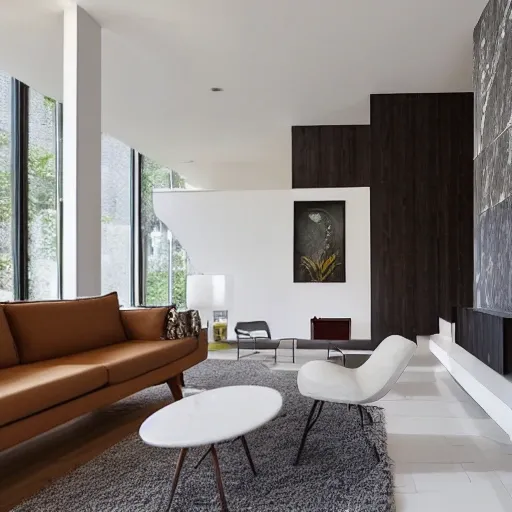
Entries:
{"x":344,"y":466}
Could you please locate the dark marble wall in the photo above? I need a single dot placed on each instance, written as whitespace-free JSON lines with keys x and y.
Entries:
{"x":493,"y":157}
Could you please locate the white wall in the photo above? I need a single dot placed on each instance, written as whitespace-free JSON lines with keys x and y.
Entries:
{"x":249,"y":236}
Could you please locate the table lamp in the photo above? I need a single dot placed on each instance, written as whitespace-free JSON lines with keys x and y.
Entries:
{"x":206,"y":293}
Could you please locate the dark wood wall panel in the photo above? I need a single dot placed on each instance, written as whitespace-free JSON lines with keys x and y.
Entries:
{"x":416,"y":156}
{"x":455,"y":231}
{"x":421,"y":190}
{"x":330,"y":156}
{"x":423,"y":160}
{"x":306,"y":153}
{"x":399,"y":267}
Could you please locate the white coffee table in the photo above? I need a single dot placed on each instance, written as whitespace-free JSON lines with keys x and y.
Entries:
{"x":209,"y":418}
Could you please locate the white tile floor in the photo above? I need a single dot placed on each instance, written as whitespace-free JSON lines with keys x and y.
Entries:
{"x":449,"y":455}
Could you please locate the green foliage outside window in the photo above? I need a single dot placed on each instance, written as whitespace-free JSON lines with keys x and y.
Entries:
{"x":5,"y":213}
{"x":5,"y":183}
{"x":157,"y":273}
{"x":157,"y":286}
{"x":179,"y":278}
{"x":42,"y":204}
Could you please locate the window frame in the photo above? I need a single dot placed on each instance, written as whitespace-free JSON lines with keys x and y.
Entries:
{"x":19,"y":162}
{"x":136,"y":256}
{"x":19,"y":143}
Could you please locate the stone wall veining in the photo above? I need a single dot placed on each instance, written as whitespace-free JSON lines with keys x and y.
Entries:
{"x":493,"y":157}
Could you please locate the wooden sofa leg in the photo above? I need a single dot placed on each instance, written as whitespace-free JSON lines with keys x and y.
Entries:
{"x":174,"y":384}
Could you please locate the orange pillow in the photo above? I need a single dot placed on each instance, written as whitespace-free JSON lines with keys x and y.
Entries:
{"x":46,"y":330}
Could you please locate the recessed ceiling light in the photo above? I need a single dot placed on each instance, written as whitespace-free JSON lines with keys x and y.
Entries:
{"x":216,"y":89}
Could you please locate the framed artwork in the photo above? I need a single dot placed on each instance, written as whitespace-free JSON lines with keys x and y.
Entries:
{"x":319,"y":242}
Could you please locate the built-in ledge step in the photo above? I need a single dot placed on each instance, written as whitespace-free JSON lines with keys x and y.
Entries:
{"x":492,"y":391}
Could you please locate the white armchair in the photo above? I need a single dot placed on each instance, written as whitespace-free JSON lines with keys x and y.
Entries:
{"x":327,"y":382}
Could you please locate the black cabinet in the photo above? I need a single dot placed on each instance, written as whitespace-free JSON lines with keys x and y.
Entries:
{"x":487,"y":335}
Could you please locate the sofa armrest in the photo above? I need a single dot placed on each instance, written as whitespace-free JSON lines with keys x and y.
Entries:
{"x":203,"y":341}
{"x":144,"y":323}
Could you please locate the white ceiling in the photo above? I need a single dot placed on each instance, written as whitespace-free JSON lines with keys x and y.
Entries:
{"x":280,"y":62}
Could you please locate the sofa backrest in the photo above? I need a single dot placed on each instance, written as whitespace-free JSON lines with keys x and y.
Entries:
{"x":46,"y":330}
{"x":8,"y":353}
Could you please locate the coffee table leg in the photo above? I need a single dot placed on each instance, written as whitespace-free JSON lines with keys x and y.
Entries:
{"x":218,"y":477}
{"x":248,"y":453}
{"x":179,"y":465}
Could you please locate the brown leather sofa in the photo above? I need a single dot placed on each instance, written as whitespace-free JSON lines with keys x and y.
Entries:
{"x":62,"y":359}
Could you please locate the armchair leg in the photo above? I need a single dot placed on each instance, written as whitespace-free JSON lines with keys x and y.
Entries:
{"x":312,"y":419}
{"x":174,"y":384}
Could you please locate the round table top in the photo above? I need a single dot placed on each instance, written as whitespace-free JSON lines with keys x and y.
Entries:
{"x":211,"y":417}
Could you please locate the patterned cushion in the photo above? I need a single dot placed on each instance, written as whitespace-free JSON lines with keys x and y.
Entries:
{"x":182,"y":324}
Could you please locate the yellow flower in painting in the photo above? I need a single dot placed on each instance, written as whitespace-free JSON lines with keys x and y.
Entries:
{"x":321,"y":269}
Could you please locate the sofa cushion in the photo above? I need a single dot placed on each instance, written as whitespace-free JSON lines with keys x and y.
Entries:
{"x":48,"y":330}
{"x":130,"y":359}
{"x":144,"y":323}
{"x":30,"y":388}
{"x":8,"y":353}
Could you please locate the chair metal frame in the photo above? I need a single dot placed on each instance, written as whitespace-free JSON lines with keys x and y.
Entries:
{"x":243,"y":333}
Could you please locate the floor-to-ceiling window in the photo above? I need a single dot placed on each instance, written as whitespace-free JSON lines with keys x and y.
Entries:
{"x":6,"y":262}
{"x":164,"y":261}
{"x":30,"y":175}
{"x":43,"y":280}
{"x":141,"y":259}
{"x":115,"y":218}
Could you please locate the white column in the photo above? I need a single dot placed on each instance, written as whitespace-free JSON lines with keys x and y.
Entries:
{"x":81,"y":155}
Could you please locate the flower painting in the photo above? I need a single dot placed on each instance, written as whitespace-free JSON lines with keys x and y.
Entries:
{"x":319,"y":242}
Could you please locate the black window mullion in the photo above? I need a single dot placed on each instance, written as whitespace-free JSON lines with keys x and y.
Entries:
{"x":136,"y":273}
{"x":59,"y":202}
{"x":19,"y":159}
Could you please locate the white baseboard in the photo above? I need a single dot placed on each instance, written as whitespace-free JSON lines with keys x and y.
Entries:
{"x":492,"y":391}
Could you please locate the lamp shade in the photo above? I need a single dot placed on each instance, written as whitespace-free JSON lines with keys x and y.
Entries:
{"x":219,"y":292}
{"x":206,"y":292}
